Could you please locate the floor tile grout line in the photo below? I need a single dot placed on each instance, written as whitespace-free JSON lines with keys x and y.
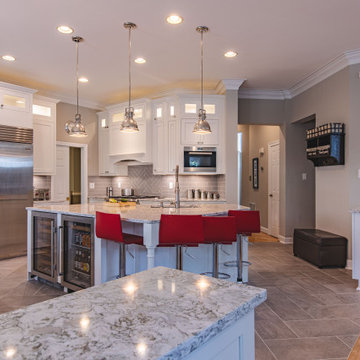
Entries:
{"x":344,"y":342}
{"x":279,"y":318}
{"x":275,"y":357}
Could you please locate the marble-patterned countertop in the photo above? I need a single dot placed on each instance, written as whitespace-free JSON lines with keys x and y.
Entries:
{"x":156,"y":314}
{"x":138,"y":213}
{"x":356,"y":210}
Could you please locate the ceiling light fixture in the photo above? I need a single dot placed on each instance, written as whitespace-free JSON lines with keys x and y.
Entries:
{"x":202,"y":126}
{"x":140,"y":60}
{"x":129,"y":125}
{"x":64,"y":29}
{"x":230,"y":54}
{"x":76,"y":128}
{"x":174,"y":19}
{"x":83,"y":79}
{"x":8,"y":58}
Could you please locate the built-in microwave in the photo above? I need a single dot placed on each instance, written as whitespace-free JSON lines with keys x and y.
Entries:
{"x":199,"y":159}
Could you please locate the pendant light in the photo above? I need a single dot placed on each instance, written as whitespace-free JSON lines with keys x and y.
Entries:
{"x":129,"y":125}
{"x":202,"y":126}
{"x":76,"y":128}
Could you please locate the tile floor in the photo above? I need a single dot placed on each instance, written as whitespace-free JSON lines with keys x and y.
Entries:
{"x":309,"y":314}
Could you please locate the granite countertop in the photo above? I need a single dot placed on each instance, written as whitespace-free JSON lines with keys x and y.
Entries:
{"x":138,"y":213}
{"x":156,"y":314}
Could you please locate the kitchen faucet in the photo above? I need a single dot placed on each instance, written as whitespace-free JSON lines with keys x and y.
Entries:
{"x":177,"y":188}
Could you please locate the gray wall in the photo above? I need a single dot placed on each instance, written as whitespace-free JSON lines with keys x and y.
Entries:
{"x":334,"y":189}
{"x":66,"y":112}
{"x":329,"y":100}
{"x":255,"y":137}
{"x":299,"y":193}
{"x":261,"y":112}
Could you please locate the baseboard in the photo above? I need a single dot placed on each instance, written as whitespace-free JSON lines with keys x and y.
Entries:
{"x":264,"y":230}
{"x":285,"y":239}
{"x":348,"y":264}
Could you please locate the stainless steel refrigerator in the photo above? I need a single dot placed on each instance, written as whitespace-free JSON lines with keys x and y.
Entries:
{"x":16,"y":188}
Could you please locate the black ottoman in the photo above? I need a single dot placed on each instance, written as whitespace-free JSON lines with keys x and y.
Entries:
{"x":320,"y":248}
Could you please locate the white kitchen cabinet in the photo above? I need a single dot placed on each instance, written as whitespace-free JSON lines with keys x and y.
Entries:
{"x":44,"y":124}
{"x":165,"y":137}
{"x":106,"y":166}
{"x":189,"y":138}
{"x":131,"y":146}
{"x":16,"y":105}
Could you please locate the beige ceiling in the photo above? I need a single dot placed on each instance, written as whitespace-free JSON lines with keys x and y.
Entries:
{"x":279,"y":43}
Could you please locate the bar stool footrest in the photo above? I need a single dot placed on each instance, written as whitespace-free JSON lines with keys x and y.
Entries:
{"x":233,"y":263}
{"x":222,"y":275}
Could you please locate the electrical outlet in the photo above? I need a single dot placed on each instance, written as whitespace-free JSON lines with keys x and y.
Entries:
{"x":119,"y":185}
{"x":171,"y":185}
{"x":92,"y":185}
{"x":303,"y":176}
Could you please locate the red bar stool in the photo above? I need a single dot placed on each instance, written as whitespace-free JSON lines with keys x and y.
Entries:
{"x":108,"y":227}
{"x":247,"y":222}
{"x":180,"y":231}
{"x":219,"y":230}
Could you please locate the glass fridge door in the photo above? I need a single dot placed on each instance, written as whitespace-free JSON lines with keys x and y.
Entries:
{"x":43,"y":245}
{"x":78,"y":248}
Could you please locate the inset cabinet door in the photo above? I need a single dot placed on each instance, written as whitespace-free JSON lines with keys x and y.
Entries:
{"x":44,"y":146}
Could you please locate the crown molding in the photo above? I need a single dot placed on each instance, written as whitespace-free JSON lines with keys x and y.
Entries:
{"x":264,"y":94}
{"x":228,"y":84}
{"x":340,"y":62}
{"x":182,"y":91}
{"x":45,"y":99}
{"x":72,"y":100}
{"x":17,"y":87}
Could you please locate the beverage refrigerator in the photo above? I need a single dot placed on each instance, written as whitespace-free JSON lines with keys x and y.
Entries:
{"x":77,"y":252}
{"x":43,"y":246}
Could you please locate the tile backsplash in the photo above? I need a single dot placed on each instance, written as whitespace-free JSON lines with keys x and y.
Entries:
{"x":41,"y":182}
{"x":141,"y":178}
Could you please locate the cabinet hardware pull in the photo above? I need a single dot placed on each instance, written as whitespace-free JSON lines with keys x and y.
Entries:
{"x":61,"y":228}
{"x":52,"y":246}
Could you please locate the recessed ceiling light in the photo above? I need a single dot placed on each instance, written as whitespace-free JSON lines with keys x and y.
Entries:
{"x":64,"y":29}
{"x":230,"y":54}
{"x":83,"y":79}
{"x":140,"y":60}
{"x":8,"y":58}
{"x":174,"y":19}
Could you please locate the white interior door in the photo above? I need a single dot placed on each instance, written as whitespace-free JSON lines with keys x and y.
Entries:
{"x":60,"y":182}
{"x":274,"y":188}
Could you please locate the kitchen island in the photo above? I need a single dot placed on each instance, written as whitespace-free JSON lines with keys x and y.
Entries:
{"x":156,"y":314}
{"x":141,"y":220}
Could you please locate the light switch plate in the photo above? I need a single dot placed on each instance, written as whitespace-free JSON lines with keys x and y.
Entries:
{"x":303,"y":176}
{"x":171,"y":185}
{"x":92,"y":185}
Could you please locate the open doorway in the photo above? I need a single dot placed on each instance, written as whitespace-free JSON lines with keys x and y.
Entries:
{"x":260,"y":174}
{"x":75,"y":175}
{"x":70,"y":183}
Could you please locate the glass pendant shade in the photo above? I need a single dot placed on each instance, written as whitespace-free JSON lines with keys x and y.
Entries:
{"x":75,"y":128}
{"x":202,"y":126}
{"x":129,"y":125}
